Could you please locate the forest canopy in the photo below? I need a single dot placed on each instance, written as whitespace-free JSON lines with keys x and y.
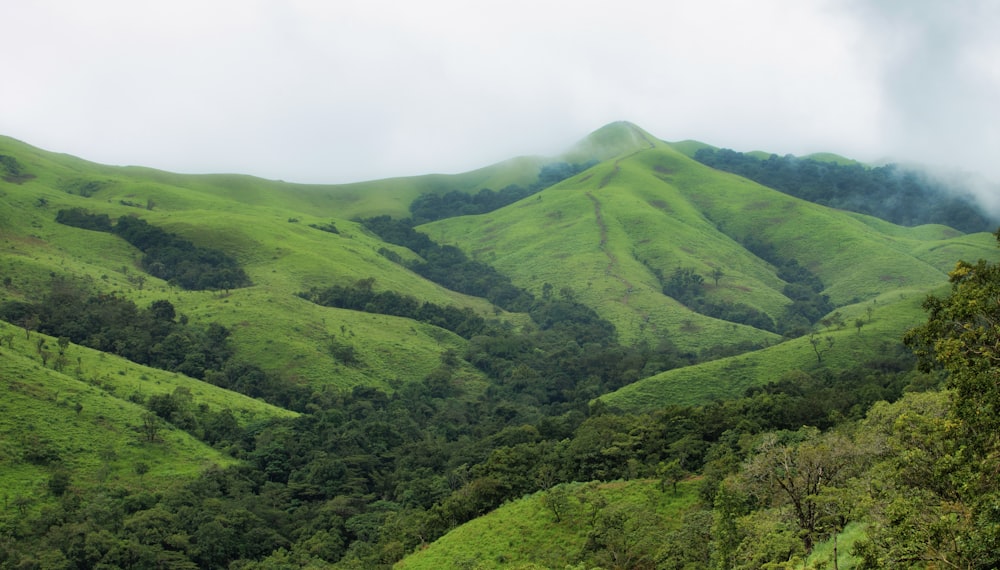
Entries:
{"x":166,"y":255}
{"x":893,"y":193}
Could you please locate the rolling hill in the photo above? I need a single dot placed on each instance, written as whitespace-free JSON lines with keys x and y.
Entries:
{"x":610,"y":237}
{"x":607,"y":232}
{"x":710,"y":284}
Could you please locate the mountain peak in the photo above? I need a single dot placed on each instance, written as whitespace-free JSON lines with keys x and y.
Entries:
{"x":613,"y":139}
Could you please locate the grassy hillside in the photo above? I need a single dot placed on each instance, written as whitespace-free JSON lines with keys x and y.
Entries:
{"x":602,"y":236}
{"x":605,"y":231}
{"x":85,"y":422}
{"x":892,"y":314}
{"x":526,"y":534}
{"x":266,"y":225}
{"x":362,"y":475}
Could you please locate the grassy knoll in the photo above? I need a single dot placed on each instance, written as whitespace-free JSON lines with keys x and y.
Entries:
{"x":607,"y":230}
{"x":87,"y":428}
{"x":892,"y":314}
{"x":268,"y":227}
{"x":86,"y":421}
{"x":526,"y":534}
{"x":600,"y":233}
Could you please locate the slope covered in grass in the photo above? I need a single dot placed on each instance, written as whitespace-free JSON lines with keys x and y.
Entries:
{"x":268,"y":227}
{"x":891,"y":315}
{"x":608,"y":236}
{"x":607,"y":231}
{"x":526,"y":533}
{"x":83,"y":423}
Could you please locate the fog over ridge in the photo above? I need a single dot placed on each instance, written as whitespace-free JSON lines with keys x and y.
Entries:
{"x":319,"y":92}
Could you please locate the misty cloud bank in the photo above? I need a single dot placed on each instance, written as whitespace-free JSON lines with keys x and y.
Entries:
{"x":335,"y":92}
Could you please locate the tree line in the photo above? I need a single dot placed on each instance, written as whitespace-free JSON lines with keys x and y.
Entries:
{"x":432,"y":206}
{"x":166,"y":255}
{"x":804,"y":288}
{"x":448,"y":265}
{"x":362,"y":297}
{"x":366,"y":477}
{"x":893,"y":193}
{"x":155,"y":336}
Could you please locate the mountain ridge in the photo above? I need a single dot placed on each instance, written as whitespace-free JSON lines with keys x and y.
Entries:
{"x":646,"y":281}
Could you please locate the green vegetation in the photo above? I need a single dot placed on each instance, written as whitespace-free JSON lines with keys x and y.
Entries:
{"x":166,"y":256}
{"x":431,"y":206}
{"x":361,"y":297}
{"x":637,"y":362}
{"x":905,"y":197}
{"x":586,"y":525}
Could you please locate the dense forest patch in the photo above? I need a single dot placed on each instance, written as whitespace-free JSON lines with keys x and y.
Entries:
{"x":361,"y":297}
{"x":11,"y":170}
{"x":449,"y":266}
{"x":429,"y":207}
{"x":166,"y":255}
{"x":893,"y":193}
{"x":154,"y":336}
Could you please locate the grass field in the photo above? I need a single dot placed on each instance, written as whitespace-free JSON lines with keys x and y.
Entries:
{"x":605,"y":230}
{"x":526,"y":534}
{"x":600,"y":236}
{"x":892,"y":314}
{"x":84,"y":422}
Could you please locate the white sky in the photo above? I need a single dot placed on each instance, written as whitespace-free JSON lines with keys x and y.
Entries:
{"x":344,"y":90}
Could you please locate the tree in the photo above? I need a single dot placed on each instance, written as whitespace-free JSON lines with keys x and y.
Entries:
{"x":59,"y":482}
{"x":717,"y":274}
{"x":800,"y":471}
{"x":962,"y":336}
{"x":150,"y":426}
{"x":29,"y":323}
{"x":671,"y":473}
{"x":556,"y":500}
{"x":858,"y":323}
{"x":913,"y":504}
{"x":819,"y":348}
{"x":624,"y":536}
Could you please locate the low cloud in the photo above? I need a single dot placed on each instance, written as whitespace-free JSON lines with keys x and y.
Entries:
{"x":316,"y":91}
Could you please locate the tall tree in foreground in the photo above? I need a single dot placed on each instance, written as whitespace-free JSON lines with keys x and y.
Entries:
{"x":960,"y":453}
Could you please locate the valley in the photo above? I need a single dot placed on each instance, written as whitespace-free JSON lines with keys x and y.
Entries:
{"x":614,"y":347}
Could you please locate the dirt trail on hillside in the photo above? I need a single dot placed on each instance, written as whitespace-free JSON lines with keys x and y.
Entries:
{"x":612,"y":266}
{"x":611,"y":175}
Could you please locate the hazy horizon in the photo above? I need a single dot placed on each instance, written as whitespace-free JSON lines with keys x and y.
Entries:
{"x":319,"y":92}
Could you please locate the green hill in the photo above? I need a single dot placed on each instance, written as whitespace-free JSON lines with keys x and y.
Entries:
{"x":711,"y":283}
{"x":593,"y":527}
{"x":266,"y":225}
{"x":610,"y":236}
{"x":87,"y":421}
{"x":606,"y":233}
{"x":892,"y":314}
